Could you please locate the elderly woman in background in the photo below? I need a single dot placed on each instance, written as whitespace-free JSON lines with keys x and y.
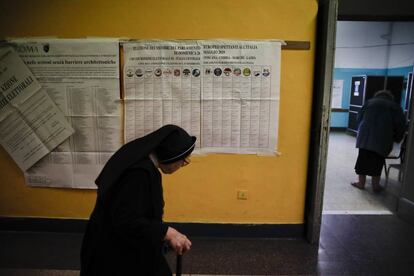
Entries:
{"x":381,"y":122}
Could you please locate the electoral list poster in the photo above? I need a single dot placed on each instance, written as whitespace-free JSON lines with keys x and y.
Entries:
{"x":225,"y":92}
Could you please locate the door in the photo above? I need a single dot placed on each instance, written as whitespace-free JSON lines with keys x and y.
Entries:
{"x":405,"y":208}
{"x":325,"y":52}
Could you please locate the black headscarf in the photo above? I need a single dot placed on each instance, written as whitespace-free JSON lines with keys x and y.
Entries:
{"x":170,"y":143}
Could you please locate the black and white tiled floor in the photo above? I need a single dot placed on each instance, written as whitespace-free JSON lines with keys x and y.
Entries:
{"x":350,"y":245}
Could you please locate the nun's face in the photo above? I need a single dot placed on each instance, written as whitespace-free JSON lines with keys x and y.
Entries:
{"x":172,"y":167}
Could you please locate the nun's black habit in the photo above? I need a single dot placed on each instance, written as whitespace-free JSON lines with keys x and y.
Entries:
{"x":125,"y":232}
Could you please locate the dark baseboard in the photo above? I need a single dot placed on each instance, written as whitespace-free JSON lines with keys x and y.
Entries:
{"x":338,"y":129}
{"x":340,"y":110}
{"x":241,"y":230}
{"x":42,"y":224}
{"x":214,"y":230}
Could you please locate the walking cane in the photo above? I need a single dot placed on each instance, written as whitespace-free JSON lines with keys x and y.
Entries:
{"x":179,"y":265}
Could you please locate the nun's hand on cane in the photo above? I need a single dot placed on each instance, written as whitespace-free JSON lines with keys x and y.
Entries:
{"x":179,"y":242}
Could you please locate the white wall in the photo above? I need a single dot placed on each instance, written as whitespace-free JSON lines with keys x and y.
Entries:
{"x":402,"y":55}
{"x":363,"y":44}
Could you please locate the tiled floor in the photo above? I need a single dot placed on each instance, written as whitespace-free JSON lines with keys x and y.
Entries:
{"x":340,"y":196}
{"x":350,"y":245}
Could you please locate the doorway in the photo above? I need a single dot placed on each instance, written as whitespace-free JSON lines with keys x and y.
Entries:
{"x":350,"y":10}
{"x":368,"y":53}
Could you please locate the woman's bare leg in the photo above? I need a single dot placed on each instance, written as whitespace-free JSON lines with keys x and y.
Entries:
{"x":361,"y":182}
{"x":376,"y":184}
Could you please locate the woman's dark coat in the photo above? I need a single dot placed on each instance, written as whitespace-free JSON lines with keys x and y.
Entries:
{"x":381,"y":123}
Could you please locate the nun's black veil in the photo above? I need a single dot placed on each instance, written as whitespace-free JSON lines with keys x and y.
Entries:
{"x":136,"y":150}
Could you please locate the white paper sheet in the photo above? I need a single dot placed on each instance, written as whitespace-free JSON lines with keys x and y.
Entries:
{"x":337,"y":91}
{"x":82,"y":77}
{"x":31,"y":125}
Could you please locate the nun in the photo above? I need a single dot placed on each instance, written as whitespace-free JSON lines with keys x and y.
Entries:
{"x":125,"y":233}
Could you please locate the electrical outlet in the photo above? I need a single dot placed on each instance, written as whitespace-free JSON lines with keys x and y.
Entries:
{"x":242,"y":194}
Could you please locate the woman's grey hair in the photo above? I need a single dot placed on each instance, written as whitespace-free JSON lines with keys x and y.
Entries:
{"x":384,"y":94}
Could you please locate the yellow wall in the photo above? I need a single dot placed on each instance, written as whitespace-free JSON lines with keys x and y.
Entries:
{"x":206,"y":190}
